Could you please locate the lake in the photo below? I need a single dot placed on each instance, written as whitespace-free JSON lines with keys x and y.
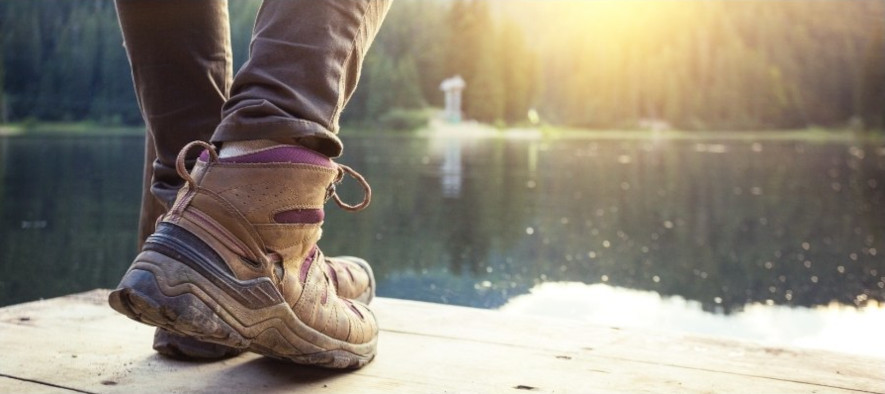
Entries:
{"x":774,"y":241}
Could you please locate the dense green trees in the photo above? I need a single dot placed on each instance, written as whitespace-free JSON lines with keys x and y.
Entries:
{"x":694,"y":64}
{"x":64,"y":61}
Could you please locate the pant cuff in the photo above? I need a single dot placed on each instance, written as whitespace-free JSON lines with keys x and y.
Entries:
{"x":303,"y":132}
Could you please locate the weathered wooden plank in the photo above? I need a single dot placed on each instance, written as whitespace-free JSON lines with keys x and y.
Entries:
{"x":827,"y":369}
{"x":78,"y":342}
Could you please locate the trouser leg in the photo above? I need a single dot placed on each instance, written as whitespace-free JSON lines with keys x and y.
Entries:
{"x":151,"y":207}
{"x":305,"y":61}
{"x":181,"y":68}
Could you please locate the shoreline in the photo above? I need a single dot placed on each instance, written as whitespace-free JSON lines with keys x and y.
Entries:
{"x":437,"y":129}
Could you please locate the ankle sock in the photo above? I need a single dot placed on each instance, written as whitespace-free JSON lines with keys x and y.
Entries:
{"x":239,"y":148}
{"x":267,"y":151}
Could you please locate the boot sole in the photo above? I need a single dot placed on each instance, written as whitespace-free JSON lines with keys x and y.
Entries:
{"x":187,"y":348}
{"x":183,"y":347}
{"x":162,"y":291}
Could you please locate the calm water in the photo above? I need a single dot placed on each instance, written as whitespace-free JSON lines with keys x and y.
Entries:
{"x":556,"y":227}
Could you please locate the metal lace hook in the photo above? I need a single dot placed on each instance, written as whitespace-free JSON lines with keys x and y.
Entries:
{"x":182,"y":155}
{"x":367,"y":190}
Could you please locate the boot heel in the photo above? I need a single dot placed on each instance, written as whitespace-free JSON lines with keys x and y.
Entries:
{"x":141,"y":297}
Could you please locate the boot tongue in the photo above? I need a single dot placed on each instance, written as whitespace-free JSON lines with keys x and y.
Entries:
{"x":275,"y":154}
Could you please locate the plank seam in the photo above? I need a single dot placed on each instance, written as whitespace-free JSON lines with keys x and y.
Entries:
{"x":45,"y":383}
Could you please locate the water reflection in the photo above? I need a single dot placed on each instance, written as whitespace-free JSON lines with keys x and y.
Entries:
{"x":728,"y":224}
{"x":479,"y":221}
{"x":450,"y":170}
{"x":68,"y":214}
{"x":832,"y":327}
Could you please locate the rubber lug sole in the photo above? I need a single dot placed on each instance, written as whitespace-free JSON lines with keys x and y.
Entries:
{"x":159,"y":291}
{"x":182,"y":347}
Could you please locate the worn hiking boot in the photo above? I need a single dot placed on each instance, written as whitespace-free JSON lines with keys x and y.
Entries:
{"x":352,"y":277}
{"x":235,"y":261}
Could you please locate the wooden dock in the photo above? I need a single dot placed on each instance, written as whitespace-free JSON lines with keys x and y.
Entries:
{"x":78,"y":344}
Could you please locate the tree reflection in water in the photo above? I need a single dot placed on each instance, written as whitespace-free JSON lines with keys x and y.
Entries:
{"x":478,"y":221}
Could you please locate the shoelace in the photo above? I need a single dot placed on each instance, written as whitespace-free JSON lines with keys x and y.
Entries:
{"x":330,"y":191}
{"x":367,"y":190}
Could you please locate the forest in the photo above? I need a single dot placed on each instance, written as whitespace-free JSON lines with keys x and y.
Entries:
{"x":694,"y":65}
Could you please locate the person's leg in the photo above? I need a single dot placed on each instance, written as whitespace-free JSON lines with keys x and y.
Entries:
{"x":250,"y":220}
{"x":304,"y":65}
{"x":151,"y":207}
{"x":182,"y":71}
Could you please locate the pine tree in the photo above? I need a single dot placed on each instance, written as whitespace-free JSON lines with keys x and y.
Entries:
{"x":517,"y":69}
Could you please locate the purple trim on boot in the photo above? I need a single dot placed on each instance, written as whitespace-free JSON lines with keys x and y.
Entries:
{"x":332,"y":274}
{"x":353,"y":308}
{"x":280,"y":154}
{"x":305,"y":267}
{"x":306,"y":216}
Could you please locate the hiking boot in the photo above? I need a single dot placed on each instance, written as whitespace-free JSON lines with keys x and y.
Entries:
{"x":352,"y":277}
{"x":235,"y":262}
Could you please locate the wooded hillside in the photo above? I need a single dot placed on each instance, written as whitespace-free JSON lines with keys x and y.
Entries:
{"x":709,"y":65}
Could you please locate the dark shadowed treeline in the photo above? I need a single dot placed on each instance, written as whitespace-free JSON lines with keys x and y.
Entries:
{"x":63,"y":61}
{"x":702,"y":65}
